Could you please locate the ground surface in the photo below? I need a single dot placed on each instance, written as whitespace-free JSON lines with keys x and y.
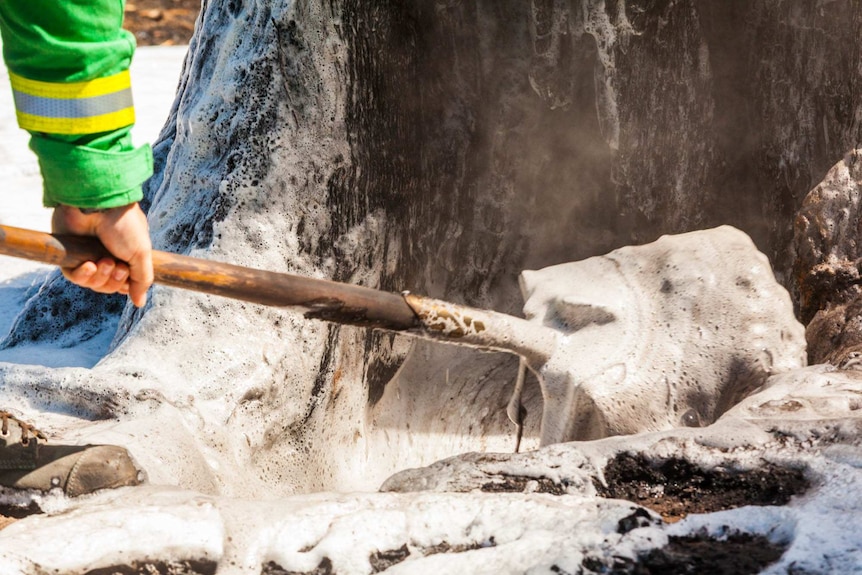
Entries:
{"x":162,"y":22}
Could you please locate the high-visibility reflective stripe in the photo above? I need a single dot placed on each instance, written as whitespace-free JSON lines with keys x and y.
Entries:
{"x":75,"y":126}
{"x":78,"y":108}
{"x":99,"y":105}
{"x":88,"y":89}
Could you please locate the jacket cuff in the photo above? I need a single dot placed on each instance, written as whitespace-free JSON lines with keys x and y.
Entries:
{"x":84,"y":177}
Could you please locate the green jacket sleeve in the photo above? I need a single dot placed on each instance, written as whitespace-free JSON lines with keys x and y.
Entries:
{"x":68,"y":63}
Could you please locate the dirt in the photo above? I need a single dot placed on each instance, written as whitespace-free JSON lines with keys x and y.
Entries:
{"x":189,"y":567}
{"x":162,"y":22}
{"x":674,"y":487}
{"x":735,"y":554}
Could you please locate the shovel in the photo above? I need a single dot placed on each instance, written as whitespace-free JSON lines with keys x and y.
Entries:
{"x":341,"y":303}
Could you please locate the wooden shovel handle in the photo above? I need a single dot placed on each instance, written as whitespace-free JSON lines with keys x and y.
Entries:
{"x":320,"y":299}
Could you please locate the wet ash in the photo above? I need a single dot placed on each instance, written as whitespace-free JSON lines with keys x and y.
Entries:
{"x":734,"y":554}
{"x":675,"y":487}
{"x":187,"y":567}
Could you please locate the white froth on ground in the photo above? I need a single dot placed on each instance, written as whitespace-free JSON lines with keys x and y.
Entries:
{"x":492,"y":533}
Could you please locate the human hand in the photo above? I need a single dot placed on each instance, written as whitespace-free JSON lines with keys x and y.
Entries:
{"x":125,"y":234}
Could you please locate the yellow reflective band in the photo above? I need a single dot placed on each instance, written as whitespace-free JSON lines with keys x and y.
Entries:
{"x":77,"y":126}
{"x":71,"y":90}
{"x":74,"y":108}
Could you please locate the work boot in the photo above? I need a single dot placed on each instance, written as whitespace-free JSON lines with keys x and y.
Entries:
{"x":28,"y":462}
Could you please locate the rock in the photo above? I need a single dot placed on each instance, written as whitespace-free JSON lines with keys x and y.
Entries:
{"x":827,"y":239}
{"x":828,"y":246}
{"x":669,"y":334}
{"x":835,"y":334}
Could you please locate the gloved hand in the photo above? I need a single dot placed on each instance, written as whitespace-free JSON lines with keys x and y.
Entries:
{"x":124,"y":232}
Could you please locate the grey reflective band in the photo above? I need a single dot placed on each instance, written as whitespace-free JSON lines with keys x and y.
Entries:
{"x":73,"y":108}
